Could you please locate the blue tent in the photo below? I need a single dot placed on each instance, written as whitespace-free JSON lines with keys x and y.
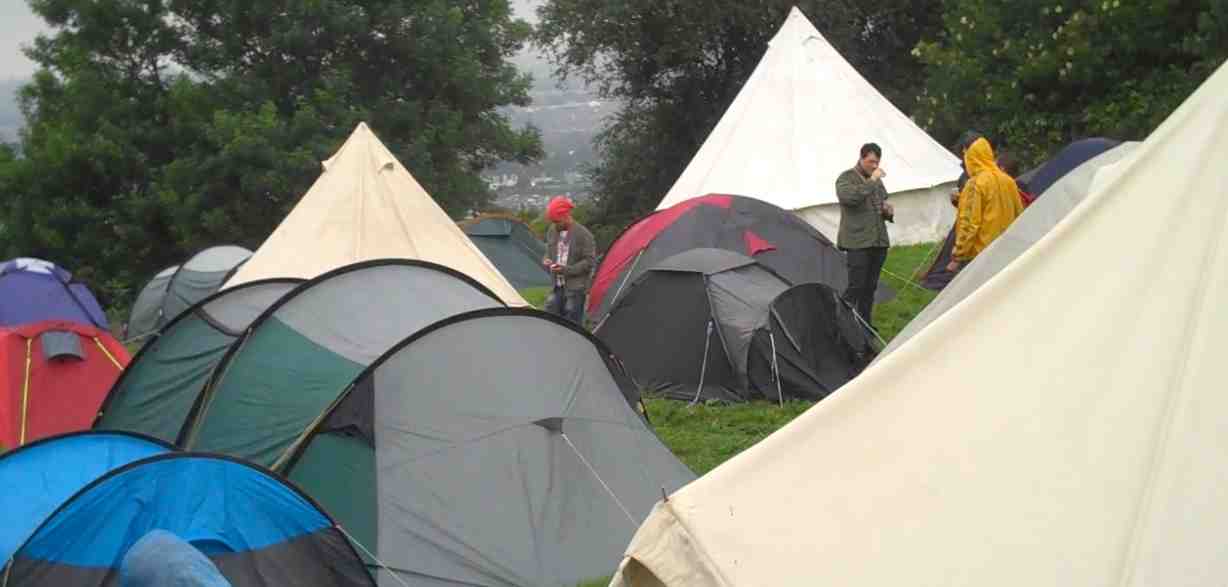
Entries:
{"x":40,"y":476}
{"x":253,"y":527}
{"x":34,"y":290}
{"x":1071,"y":156}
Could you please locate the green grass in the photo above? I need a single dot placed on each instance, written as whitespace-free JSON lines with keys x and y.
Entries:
{"x":900,"y":273}
{"x":705,"y":436}
{"x":536,"y":296}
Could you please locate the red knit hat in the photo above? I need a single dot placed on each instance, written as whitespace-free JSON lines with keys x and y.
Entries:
{"x":558,"y":207}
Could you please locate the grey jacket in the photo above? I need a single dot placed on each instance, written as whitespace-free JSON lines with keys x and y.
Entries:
{"x":861,"y":220}
{"x":581,"y":255}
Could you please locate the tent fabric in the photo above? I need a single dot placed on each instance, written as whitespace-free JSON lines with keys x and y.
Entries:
{"x":1069,"y":158}
{"x":155,"y":393}
{"x":34,"y":290}
{"x":146,"y":314}
{"x":532,"y":470}
{"x":799,"y":121}
{"x":1035,"y":222}
{"x":513,"y":248}
{"x":781,"y":242}
{"x":255,"y":528}
{"x":40,"y":476}
{"x":691,"y":329}
{"x":41,"y":396}
{"x":1073,"y":436}
{"x":167,"y":296}
{"x":811,"y":346}
{"x":366,"y":206}
{"x":302,"y":352}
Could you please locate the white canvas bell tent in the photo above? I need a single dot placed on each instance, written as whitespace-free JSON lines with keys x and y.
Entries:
{"x":1064,"y":425}
{"x":365,"y":206}
{"x":799,"y":122}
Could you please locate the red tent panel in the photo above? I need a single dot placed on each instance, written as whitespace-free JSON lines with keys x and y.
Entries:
{"x":41,"y":397}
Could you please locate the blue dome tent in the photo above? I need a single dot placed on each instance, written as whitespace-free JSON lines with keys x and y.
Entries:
{"x":40,"y":476}
{"x":163,"y":516}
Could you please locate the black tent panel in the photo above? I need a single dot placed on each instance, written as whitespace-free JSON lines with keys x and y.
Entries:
{"x":811,"y":346}
{"x":661,"y":329}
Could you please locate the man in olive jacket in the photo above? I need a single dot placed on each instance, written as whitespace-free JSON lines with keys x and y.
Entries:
{"x":571,"y":256}
{"x":864,"y":212}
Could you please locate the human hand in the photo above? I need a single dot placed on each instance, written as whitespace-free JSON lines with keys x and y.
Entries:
{"x":556,"y":268}
{"x":878,"y":174}
{"x":953,"y":266}
{"x":888,"y":210}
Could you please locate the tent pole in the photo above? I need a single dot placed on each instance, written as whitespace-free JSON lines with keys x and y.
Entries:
{"x":617,"y":501}
{"x":776,"y":369}
{"x":703,"y":369}
{"x":25,"y":393}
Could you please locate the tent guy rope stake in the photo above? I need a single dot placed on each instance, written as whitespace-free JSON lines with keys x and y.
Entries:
{"x":379,"y":562}
{"x":703,"y":369}
{"x":776,"y":370}
{"x":599,"y":479}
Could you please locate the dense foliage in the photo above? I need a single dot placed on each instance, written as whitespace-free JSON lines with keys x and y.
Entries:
{"x":1039,"y":73}
{"x":155,"y":128}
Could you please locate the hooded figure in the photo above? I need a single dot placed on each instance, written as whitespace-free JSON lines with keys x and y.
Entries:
{"x":161,"y":559}
{"x":988,"y":204}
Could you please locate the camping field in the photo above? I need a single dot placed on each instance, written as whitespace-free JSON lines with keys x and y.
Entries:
{"x":705,"y":436}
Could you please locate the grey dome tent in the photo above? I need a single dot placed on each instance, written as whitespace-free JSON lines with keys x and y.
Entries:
{"x":690,"y":326}
{"x":499,"y":447}
{"x":299,"y":355}
{"x":155,"y":392}
{"x":512,"y":247}
{"x":177,"y":288}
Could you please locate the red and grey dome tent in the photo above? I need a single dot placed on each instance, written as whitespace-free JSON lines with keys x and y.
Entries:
{"x":772,"y":236}
{"x":714,"y":324}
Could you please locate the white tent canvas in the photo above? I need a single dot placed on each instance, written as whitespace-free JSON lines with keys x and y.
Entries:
{"x":1064,"y":425}
{"x":364,"y":206}
{"x":799,"y":122}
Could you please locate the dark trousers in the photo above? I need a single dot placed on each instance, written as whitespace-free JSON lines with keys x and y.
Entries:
{"x":865,"y":265}
{"x":568,"y":304}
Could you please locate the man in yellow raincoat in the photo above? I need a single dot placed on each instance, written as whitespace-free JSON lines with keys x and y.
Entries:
{"x":988,"y":204}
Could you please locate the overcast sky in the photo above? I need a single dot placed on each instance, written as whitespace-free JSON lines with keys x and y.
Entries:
{"x":19,"y":26}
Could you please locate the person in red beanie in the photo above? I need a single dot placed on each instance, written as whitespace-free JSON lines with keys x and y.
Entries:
{"x":571,"y":256}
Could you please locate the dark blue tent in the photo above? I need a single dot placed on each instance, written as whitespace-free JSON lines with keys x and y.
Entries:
{"x":253,"y":527}
{"x":38,"y":477}
{"x":33,"y":290}
{"x":1070,"y":157}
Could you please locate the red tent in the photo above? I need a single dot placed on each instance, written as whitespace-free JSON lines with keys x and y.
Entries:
{"x":53,"y":377}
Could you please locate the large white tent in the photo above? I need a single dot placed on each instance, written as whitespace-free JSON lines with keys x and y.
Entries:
{"x":364,"y":206}
{"x":1064,"y":425}
{"x":799,"y":122}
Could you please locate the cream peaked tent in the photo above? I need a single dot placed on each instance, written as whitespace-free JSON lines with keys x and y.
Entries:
{"x":799,"y":122}
{"x":365,"y":206}
{"x":1065,"y":425}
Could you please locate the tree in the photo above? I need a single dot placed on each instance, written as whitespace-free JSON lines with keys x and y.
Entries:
{"x":1035,"y":75}
{"x":677,"y":65}
{"x":158,"y":127}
